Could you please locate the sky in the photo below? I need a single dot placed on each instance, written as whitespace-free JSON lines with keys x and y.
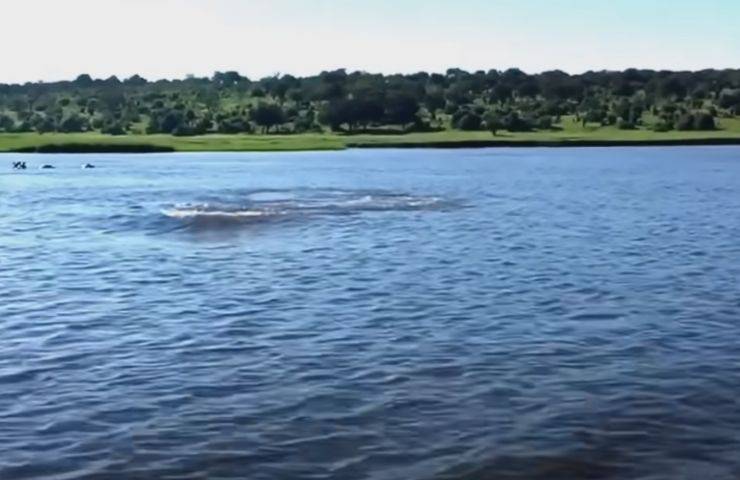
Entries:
{"x":59,"y":39}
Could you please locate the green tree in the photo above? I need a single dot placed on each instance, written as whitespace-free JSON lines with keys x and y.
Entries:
{"x":494,"y":122}
{"x":435,"y":100}
{"x":469,"y":121}
{"x":501,"y":93}
{"x":73,"y":123}
{"x":6,"y":123}
{"x":401,"y":108}
{"x":268,"y":115}
{"x":704,"y":121}
{"x":42,"y":123}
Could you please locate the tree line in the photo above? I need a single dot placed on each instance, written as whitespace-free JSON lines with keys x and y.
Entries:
{"x":351,"y":102}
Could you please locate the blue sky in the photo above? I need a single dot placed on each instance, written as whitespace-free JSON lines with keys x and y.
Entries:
{"x":52,"y":39}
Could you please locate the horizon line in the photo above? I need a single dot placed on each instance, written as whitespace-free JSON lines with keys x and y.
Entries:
{"x":278,"y":74}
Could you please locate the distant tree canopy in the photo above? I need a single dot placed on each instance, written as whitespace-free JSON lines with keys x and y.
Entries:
{"x":351,"y":102}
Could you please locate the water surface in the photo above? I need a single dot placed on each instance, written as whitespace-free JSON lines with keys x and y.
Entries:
{"x":416,"y":314}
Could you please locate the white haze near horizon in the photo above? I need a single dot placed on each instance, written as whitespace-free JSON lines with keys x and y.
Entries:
{"x":55,"y":40}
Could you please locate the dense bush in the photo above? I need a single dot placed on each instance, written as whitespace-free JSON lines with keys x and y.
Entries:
{"x":73,"y":123}
{"x":113,"y":128}
{"x":514,"y":123}
{"x":730,"y":99}
{"x":268,"y":115}
{"x":234,"y":125}
{"x":685,"y":122}
{"x":451,"y":108}
{"x":469,"y":121}
{"x":6,"y":123}
{"x":352,"y":101}
{"x":696,"y":121}
{"x":704,"y":121}
{"x":663,"y":125}
{"x":544,"y":122}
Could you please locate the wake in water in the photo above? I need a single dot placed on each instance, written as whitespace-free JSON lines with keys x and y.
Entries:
{"x":270,"y":205}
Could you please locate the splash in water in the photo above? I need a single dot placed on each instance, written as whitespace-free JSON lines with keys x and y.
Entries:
{"x":275,"y":204}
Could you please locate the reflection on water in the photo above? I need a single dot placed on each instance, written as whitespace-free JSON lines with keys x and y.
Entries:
{"x":486,"y":314}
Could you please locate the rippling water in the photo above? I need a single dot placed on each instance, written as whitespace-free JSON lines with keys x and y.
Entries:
{"x":482,"y":314}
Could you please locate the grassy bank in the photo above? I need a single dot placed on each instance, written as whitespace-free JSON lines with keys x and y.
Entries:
{"x":88,"y":142}
{"x":568,"y":134}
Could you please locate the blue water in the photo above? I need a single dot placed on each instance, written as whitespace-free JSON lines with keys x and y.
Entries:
{"x":420,"y":314}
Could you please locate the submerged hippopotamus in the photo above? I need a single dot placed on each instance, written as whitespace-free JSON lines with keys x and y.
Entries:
{"x":46,"y":166}
{"x":88,"y":165}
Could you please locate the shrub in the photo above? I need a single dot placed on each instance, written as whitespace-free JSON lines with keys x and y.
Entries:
{"x":623,"y":124}
{"x":234,"y":125}
{"x":704,"y":121}
{"x":663,"y":126}
{"x":6,"y":123}
{"x":696,"y":121}
{"x":303,"y":124}
{"x":183,"y":131}
{"x":73,"y":124}
{"x":451,"y":108}
{"x":685,"y":122}
{"x":544,"y":122}
{"x":455,"y":118}
{"x":514,"y":123}
{"x":113,"y":128}
{"x":729,"y":99}
{"x":469,"y":121}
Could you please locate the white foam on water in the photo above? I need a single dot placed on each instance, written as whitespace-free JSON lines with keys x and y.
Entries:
{"x":189,"y":211}
{"x":195,"y":213}
{"x":269,"y":204}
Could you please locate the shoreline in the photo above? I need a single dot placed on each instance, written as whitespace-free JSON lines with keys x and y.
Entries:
{"x":691,"y":142}
{"x":98,"y":144}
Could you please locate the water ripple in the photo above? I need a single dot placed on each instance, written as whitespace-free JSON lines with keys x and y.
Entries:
{"x":373,"y":315}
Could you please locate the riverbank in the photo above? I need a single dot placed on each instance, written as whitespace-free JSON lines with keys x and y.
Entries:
{"x":572,"y":136}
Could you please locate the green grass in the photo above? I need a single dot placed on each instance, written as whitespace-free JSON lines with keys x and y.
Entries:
{"x":569,"y":133}
{"x":215,"y":143}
